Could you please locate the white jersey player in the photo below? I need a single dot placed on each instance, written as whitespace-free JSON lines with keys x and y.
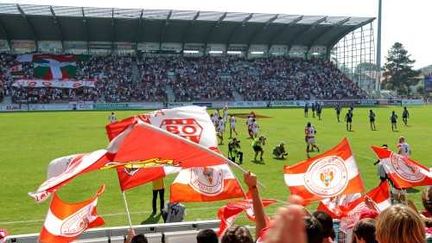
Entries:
{"x":403,"y":147}
{"x":249,"y":123}
{"x":225,"y":114}
{"x":215,"y":118}
{"x":220,"y":128}
{"x":112,"y":118}
{"x":233,"y":122}
{"x":310,"y":138}
{"x":255,"y":128}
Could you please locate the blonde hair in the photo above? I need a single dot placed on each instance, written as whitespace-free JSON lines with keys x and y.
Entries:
{"x":400,"y":224}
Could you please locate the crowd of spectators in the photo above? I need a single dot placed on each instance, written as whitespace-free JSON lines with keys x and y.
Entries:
{"x":293,"y":223}
{"x":153,"y":78}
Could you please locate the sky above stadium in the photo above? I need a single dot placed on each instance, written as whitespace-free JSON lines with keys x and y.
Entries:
{"x":405,"y":21}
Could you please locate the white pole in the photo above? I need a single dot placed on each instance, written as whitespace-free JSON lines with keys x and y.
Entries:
{"x":127,"y":209}
{"x":378,"y":60}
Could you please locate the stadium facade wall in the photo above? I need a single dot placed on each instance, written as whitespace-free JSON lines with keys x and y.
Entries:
{"x":88,"y":106}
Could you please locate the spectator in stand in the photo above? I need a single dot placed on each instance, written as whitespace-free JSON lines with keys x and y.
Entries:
{"x":237,"y":234}
{"x":133,"y":238}
{"x":427,"y":204}
{"x":399,"y":224}
{"x":327,"y":225}
{"x":314,"y":230}
{"x":150,"y":78}
{"x":364,"y":231}
{"x":207,"y":236}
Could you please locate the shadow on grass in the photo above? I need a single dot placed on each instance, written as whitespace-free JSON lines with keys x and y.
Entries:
{"x":260,"y":162}
{"x":152,"y":219}
{"x":412,"y":190}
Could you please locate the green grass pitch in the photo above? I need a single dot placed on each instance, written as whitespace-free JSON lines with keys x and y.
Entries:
{"x":29,"y":141}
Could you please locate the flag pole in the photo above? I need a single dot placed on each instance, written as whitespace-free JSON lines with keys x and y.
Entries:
{"x":127,"y":210}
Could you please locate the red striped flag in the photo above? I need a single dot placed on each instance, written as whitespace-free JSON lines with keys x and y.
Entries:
{"x":205,"y":184}
{"x":228,"y":213}
{"x":64,"y":169}
{"x":67,"y":221}
{"x":333,"y":206}
{"x":327,"y":175}
{"x":403,"y":171}
{"x":352,"y":205}
{"x":190,"y":122}
{"x":133,"y":176}
{"x":379,"y":199}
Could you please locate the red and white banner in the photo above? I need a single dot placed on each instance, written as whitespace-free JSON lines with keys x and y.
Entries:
{"x":379,"y":199}
{"x":228,"y":213}
{"x":190,"y":122}
{"x":67,"y":221}
{"x":327,"y":175}
{"x":64,"y":169}
{"x":334,"y":206}
{"x":205,"y":184}
{"x":134,"y":175}
{"x":140,"y":143}
{"x":403,"y":171}
{"x":62,"y":84}
{"x":143,"y":142}
{"x":376,"y":200}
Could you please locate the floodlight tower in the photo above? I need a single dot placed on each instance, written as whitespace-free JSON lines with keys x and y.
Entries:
{"x":378,"y":59}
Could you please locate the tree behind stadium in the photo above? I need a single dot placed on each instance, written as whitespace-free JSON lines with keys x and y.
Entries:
{"x":398,"y":73}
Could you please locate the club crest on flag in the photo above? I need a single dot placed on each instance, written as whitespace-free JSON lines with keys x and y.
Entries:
{"x":77,"y":223}
{"x":206,"y":180}
{"x":404,"y":170}
{"x":133,"y":166}
{"x":327,"y":176}
{"x":187,"y":128}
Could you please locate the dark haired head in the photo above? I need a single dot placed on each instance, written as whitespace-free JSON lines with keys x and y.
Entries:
{"x":314,"y":230}
{"x":365,"y":230}
{"x":427,"y":198}
{"x":326,"y":223}
{"x":207,"y":236}
{"x":139,"y":239}
{"x":237,"y":234}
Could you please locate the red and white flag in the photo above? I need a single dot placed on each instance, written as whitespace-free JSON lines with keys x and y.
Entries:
{"x":327,"y":175}
{"x":403,"y":171}
{"x":67,"y":221}
{"x":190,"y":122}
{"x":379,"y":200}
{"x":133,"y":176}
{"x":64,"y":169}
{"x":352,"y":205}
{"x":333,"y":206}
{"x":376,"y":200}
{"x":3,"y":235}
{"x":228,"y":213}
{"x":143,"y":142}
{"x":205,"y":184}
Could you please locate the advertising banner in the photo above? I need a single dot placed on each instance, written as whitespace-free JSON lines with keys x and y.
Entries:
{"x":63,"y":84}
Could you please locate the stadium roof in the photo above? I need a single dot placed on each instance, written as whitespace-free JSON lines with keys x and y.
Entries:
{"x":42,"y":22}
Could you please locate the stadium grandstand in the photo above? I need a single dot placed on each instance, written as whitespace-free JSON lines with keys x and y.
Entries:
{"x":143,"y":55}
